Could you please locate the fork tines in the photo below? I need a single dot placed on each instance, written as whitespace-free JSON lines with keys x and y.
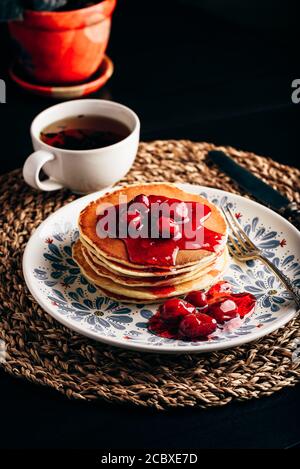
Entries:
{"x":239,"y":242}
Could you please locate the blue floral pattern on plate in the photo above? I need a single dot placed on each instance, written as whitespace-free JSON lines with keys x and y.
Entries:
{"x":78,"y":302}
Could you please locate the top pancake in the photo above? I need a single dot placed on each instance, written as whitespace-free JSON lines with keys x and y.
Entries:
{"x":115,"y":249}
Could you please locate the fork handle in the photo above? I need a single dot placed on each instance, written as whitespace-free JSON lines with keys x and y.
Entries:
{"x":295,"y":291}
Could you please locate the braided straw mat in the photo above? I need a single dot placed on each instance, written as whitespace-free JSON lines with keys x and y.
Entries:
{"x":45,"y":352}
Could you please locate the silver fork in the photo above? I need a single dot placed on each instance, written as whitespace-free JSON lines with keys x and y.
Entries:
{"x":243,"y":249}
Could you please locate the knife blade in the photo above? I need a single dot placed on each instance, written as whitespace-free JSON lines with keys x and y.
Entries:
{"x":256,"y":187}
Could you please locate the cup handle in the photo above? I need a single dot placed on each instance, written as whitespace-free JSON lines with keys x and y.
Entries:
{"x":32,"y":168}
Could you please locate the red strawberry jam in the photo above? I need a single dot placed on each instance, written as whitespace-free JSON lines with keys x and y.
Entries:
{"x":223,"y":310}
{"x":198,"y":299}
{"x":194,"y":326}
{"x":162,"y":328}
{"x":220,"y":290}
{"x":245,"y":303}
{"x":142,"y":199}
{"x":174,"y":310}
{"x":199,"y":315}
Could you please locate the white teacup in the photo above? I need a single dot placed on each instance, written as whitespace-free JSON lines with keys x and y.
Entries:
{"x":81,"y":171}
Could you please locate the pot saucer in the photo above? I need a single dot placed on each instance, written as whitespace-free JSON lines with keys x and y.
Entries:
{"x":91,"y":85}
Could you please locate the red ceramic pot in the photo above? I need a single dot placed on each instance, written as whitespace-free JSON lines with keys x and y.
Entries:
{"x":63,"y":47}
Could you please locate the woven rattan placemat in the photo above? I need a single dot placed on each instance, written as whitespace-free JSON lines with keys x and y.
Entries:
{"x":45,"y":352}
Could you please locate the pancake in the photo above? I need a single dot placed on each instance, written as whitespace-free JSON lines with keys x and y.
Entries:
{"x":115,"y":249}
{"x":102,"y":271}
{"x":144,"y":268}
{"x":125,"y":299}
{"x":133,"y":294}
{"x":147,"y":272}
{"x":105,"y":261}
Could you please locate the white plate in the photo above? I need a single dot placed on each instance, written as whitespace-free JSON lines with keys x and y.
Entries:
{"x":55,"y":281}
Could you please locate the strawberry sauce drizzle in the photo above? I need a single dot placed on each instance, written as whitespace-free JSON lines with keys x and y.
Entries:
{"x":162,"y":251}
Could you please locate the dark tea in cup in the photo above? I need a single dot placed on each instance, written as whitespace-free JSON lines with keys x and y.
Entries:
{"x":84,"y":132}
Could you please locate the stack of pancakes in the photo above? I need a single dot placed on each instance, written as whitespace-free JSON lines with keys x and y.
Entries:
{"x":106,"y":264}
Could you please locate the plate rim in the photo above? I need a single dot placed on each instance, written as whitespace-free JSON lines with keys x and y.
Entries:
{"x":148,"y":348}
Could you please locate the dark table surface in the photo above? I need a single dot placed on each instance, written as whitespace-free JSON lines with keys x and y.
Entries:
{"x":189,"y":73}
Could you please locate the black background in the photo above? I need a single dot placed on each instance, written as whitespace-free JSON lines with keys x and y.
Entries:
{"x":204,"y":73}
